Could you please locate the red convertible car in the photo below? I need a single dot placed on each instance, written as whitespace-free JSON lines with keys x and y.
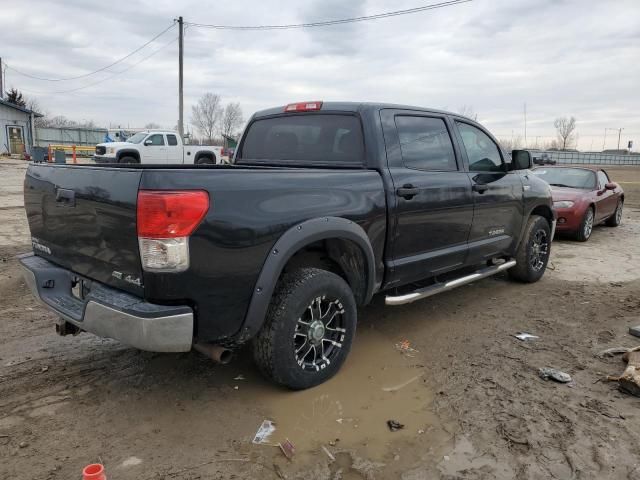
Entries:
{"x":583,"y":197}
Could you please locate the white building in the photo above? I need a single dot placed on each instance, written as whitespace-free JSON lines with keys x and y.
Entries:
{"x":16,"y":128}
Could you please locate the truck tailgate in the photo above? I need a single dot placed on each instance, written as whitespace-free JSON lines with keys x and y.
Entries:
{"x":83,"y":218}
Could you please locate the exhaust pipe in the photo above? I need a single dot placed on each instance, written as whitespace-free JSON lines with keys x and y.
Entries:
{"x":216,"y":353}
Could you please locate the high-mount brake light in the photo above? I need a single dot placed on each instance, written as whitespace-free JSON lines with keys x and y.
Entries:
{"x":303,"y":107}
{"x":165,"y":219}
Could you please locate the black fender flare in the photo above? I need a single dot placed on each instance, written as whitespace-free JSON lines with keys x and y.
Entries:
{"x":291,"y":241}
{"x":205,"y":153}
{"x":131,"y":152}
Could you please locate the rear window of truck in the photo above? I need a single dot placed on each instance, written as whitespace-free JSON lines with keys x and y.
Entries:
{"x":320,"y":139}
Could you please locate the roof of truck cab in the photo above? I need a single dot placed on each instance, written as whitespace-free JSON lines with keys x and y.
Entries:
{"x":356,"y":107}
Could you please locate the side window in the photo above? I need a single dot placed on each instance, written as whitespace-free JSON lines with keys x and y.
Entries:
{"x":425,"y":143}
{"x":602,"y":179}
{"x":157,"y":139}
{"x":483,"y":154}
{"x":172,"y":140}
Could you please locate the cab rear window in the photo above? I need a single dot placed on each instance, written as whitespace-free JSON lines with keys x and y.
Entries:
{"x":322,"y":139}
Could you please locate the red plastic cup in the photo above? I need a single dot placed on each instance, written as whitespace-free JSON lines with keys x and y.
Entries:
{"x":95,"y":471}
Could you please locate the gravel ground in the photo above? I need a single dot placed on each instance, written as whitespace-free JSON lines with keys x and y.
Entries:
{"x":466,"y":390}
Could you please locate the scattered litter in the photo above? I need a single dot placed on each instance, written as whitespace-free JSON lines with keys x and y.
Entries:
{"x":610,"y":352}
{"x":235,"y":387}
{"x":553,"y":374}
{"x":526,"y":336}
{"x":131,"y":462}
{"x":635,"y":331}
{"x":264,"y":432}
{"x":402,"y":385}
{"x":342,"y":420}
{"x":44,"y":369}
{"x":447,"y":458}
{"x":420,"y":432}
{"x":629,"y":381}
{"x":239,"y":377}
{"x":329,"y":454}
{"x":287,"y":448}
{"x":334,"y":442}
{"x":23,"y":444}
{"x":405,"y":348}
{"x":394,"y":426}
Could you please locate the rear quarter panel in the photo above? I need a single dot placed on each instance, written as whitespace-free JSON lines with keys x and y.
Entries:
{"x":250,"y":209}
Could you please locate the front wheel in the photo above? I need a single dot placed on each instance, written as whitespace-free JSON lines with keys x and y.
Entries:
{"x":533,"y":252}
{"x":616,"y":219}
{"x":586,"y":226}
{"x":308,"y":330}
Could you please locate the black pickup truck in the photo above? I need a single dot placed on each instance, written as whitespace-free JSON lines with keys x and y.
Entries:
{"x":325,"y":205}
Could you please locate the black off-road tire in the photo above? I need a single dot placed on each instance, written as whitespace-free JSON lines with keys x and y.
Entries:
{"x":616,"y":219}
{"x":128,"y":159}
{"x":531,"y":261}
{"x":274,"y":348}
{"x":586,"y":226}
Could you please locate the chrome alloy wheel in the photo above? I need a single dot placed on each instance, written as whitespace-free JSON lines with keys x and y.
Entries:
{"x":619,"y":213}
{"x":539,"y":250}
{"x":588,"y":224}
{"x":319,"y":333}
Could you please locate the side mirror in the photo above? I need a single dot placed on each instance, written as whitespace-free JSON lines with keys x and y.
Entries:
{"x":610,"y":186}
{"x":147,"y":143}
{"x":521,"y":160}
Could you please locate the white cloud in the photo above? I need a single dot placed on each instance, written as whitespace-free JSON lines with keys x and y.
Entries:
{"x":572,"y":57}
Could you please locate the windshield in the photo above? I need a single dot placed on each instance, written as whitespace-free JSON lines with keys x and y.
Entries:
{"x":137,"y":138}
{"x":302,"y":139}
{"x":567,"y":177}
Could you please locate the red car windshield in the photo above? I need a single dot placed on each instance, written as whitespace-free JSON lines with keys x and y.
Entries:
{"x":567,"y":177}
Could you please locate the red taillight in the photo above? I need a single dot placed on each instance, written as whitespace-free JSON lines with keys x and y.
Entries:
{"x":170,"y":214}
{"x":303,"y":107}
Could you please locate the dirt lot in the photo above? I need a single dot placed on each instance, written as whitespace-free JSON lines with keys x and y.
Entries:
{"x":472,"y":403}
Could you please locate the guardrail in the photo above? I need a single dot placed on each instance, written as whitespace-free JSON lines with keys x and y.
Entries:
{"x":75,"y":150}
{"x":593,"y":158}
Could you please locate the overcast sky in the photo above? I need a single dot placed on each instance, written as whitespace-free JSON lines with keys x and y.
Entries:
{"x":571,"y":57}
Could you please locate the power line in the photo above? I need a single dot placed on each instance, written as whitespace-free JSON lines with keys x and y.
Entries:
{"x":35,"y":77}
{"x":110,"y":77}
{"x":331,"y":22}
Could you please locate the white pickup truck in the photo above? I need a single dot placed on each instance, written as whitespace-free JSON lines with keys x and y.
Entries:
{"x":156,"y":146}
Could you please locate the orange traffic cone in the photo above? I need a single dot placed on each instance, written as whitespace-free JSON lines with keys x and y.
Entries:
{"x":95,"y":471}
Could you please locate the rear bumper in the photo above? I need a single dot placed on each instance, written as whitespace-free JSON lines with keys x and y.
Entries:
{"x":107,"y":312}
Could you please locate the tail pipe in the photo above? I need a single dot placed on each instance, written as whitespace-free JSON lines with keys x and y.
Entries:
{"x":216,"y":353}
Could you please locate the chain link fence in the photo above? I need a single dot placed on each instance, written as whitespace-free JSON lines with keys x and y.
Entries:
{"x":593,"y":158}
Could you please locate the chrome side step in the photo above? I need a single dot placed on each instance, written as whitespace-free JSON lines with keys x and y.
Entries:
{"x":443,"y":287}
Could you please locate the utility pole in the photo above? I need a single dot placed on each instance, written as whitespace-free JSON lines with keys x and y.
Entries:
{"x":525,"y":125}
{"x":1,"y":82}
{"x":619,"y":133}
{"x":180,"y":83}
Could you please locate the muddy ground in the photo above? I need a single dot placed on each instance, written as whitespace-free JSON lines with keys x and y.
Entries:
{"x":467,"y":391}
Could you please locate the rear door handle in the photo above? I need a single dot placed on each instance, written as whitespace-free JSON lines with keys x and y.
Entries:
{"x":407,"y":191}
{"x":480,"y":187}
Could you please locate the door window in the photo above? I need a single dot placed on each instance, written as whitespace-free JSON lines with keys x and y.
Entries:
{"x":172,"y":140}
{"x":155,"y":140}
{"x":602,"y":179}
{"x":425,"y":143}
{"x":483,"y":153}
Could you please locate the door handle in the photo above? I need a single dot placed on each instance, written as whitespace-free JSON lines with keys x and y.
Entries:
{"x":480,"y":187}
{"x":407,"y":191}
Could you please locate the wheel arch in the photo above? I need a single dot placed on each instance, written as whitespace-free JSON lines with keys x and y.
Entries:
{"x":128,"y":153}
{"x":206,"y":154}
{"x":345,"y":244}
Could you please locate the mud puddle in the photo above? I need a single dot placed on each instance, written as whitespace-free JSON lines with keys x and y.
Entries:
{"x":378,"y":383}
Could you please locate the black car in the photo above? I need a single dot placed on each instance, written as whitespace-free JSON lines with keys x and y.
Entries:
{"x":325,"y":205}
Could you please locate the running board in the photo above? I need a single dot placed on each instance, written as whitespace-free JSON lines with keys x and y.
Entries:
{"x":443,"y":287}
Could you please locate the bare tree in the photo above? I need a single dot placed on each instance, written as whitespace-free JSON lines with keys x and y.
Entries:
{"x":205,"y":115}
{"x":231,"y":119}
{"x":467,"y":111}
{"x":565,"y":128}
{"x":152,"y":126}
{"x":509,"y":144}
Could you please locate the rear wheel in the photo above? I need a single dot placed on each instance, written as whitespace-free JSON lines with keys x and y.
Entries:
{"x":205,"y":161}
{"x":533,"y":252}
{"x":586,"y":226}
{"x":616,"y":219}
{"x":308,"y":331}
